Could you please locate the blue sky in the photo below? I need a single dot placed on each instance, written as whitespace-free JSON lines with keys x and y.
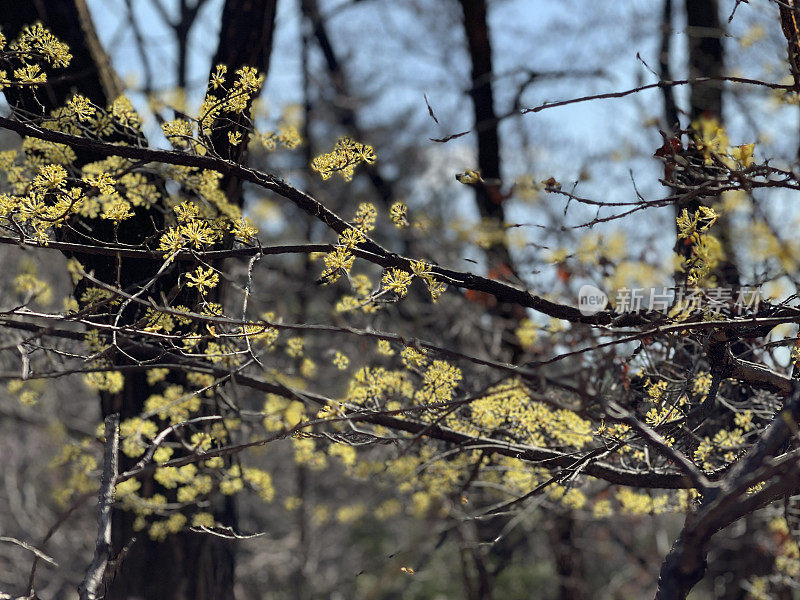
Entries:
{"x":397,"y":51}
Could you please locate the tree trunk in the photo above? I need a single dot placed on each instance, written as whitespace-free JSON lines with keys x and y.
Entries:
{"x":567,"y":557}
{"x":189,"y":565}
{"x":706,"y":59}
{"x":672,"y":122}
{"x":186,"y":566}
{"x":487,"y":194}
{"x":245,"y":39}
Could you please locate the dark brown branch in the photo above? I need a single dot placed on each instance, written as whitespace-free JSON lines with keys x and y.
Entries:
{"x":622,"y":94}
{"x":659,"y":444}
{"x":685,"y":565}
{"x":658,"y":84}
{"x":378,"y":254}
{"x":185,"y":255}
{"x":545,"y":457}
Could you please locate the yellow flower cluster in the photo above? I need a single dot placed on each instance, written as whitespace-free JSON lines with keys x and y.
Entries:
{"x":46,"y":196}
{"x":341,"y":259}
{"x":363,"y":299}
{"x":287,"y":136}
{"x":398,"y":213}
{"x":159,"y":530}
{"x":203,"y":279}
{"x":526,"y":333}
{"x":509,"y":406}
{"x":34,"y":288}
{"x":181,"y":134}
{"x":136,"y":433}
{"x":365,"y":217}
{"x":702,"y":383}
{"x":117,"y":211}
{"x":424,"y":271}
{"x":641,"y":503}
{"x":691,"y":228}
{"x":82,"y":467}
{"x":306,"y":453}
{"x":174,"y":404}
{"x":397,"y":281}
{"x":294,"y":347}
{"x":706,"y":249}
{"x":123,"y":112}
{"x":235,"y":99}
{"x":376,"y":385}
{"x":282,"y":413}
{"x":345,"y":453}
{"x":722,"y":448}
{"x":171,"y":477}
{"x":341,"y":361}
{"x":712,"y":141}
{"x":260,"y":481}
{"x":413,"y":358}
{"x":109,"y":381}
{"x":35,"y":43}
{"x":243,"y":230}
{"x":28,"y":392}
{"x":438,"y":383}
{"x":384,"y":348}
{"x":346,"y":155}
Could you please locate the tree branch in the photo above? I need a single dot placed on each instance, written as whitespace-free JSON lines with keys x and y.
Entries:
{"x":88,"y":589}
